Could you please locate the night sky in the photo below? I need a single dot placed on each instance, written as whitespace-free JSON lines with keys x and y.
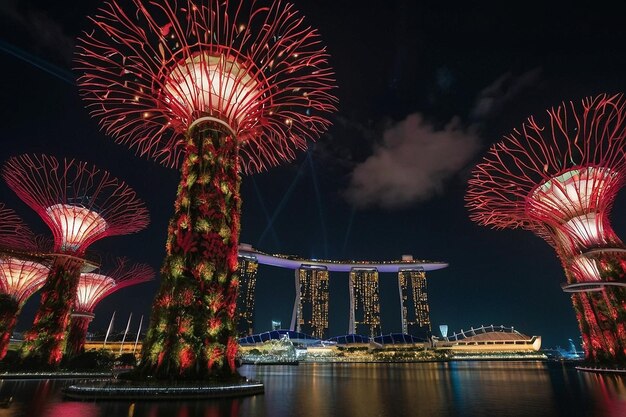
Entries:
{"x":423,"y":89}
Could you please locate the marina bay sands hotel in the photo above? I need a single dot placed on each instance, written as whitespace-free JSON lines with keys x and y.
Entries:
{"x":310,"y":309}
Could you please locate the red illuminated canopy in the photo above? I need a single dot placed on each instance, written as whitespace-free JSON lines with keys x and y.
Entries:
{"x":93,"y":287}
{"x":150,"y":71}
{"x":80,"y":203}
{"x":21,"y":278}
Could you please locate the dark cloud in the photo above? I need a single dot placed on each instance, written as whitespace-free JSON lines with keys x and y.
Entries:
{"x":492,"y":99}
{"x":412,"y":163}
{"x":416,"y":158}
{"x":46,"y":33}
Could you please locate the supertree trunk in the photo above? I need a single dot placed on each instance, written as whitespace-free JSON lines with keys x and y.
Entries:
{"x":602,"y":333}
{"x":45,"y":342}
{"x":192,"y":333}
{"x":607,"y":309}
{"x":595,"y":345}
{"x":77,"y":334}
{"x":9,"y":308}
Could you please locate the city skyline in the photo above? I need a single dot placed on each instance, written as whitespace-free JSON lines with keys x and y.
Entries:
{"x":432,"y":67}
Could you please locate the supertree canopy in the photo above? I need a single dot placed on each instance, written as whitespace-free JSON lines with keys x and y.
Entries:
{"x":19,"y":279}
{"x":80,"y":204}
{"x":216,"y":88}
{"x":93,"y":288}
{"x":20,"y":272}
{"x":256,"y":70}
{"x":559,"y":179}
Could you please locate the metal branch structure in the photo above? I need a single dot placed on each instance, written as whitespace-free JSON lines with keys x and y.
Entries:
{"x":19,"y":279}
{"x":150,"y":73}
{"x":93,"y":288}
{"x":80,"y":204}
{"x":15,"y":235}
{"x":559,"y":179}
{"x":216,"y":88}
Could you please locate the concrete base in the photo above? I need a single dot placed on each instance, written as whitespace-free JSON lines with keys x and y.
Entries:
{"x":56,"y":375}
{"x":157,"y":390}
{"x":598,"y":369}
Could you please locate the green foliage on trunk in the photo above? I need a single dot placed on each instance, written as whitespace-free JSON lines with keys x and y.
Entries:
{"x":192,"y":332}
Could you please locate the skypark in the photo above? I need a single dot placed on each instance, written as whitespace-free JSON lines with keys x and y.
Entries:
{"x":407,"y":262}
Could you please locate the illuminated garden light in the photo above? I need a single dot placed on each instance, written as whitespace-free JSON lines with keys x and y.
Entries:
{"x":19,"y":279}
{"x":80,"y":204}
{"x":559,"y":179}
{"x":93,"y":288}
{"x":215,"y":88}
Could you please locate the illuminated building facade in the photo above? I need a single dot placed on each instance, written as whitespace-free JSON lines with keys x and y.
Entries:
{"x":310,"y":311}
{"x":248,"y":267}
{"x":414,"y":309}
{"x":364,"y":302}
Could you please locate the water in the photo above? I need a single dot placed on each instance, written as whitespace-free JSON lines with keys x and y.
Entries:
{"x":317,"y":390}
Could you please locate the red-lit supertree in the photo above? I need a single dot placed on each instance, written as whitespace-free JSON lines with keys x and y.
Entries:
{"x":93,"y":288}
{"x":559,"y":179}
{"x":20,"y":273}
{"x":215,"y":88}
{"x":80,"y":204}
{"x":19,"y":279}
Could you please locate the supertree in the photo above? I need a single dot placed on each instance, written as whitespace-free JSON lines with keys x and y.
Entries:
{"x":80,"y":204}
{"x":19,"y":279}
{"x":20,"y":274}
{"x":93,"y":288}
{"x":215,"y":88}
{"x":559,"y":179}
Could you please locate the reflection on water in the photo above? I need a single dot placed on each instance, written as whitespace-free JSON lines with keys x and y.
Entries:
{"x":351,"y":390}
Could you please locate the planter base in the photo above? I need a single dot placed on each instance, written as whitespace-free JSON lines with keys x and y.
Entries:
{"x":157,"y":391}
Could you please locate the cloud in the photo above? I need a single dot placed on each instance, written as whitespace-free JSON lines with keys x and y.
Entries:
{"x":502,"y":91}
{"x":46,"y":33}
{"x":412,"y":163}
{"x":416,"y":158}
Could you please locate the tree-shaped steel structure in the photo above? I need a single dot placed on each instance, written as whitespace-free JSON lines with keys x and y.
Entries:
{"x":559,"y":179}
{"x":93,"y":288}
{"x":216,"y":88}
{"x":19,"y":279}
{"x":21,"y":273}
{"x":80,"y":204}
